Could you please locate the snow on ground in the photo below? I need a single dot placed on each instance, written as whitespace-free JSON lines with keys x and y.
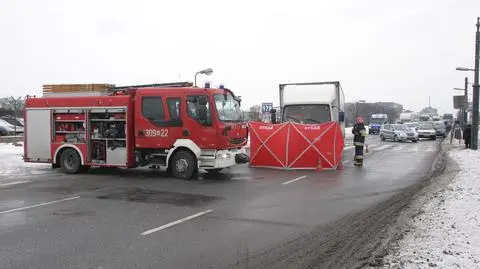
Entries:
{"x":12,"y":166}
{"x":447,"y":232}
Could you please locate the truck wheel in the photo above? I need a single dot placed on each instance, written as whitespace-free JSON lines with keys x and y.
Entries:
{"x":434,"y":137}
{"x":70,"y":161}
{"x":395,"y":138}
{"x":382,"y":137}
{"x":184,"y":165}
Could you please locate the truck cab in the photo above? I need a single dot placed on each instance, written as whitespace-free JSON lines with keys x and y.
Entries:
{"x":376,"y":122}
{"x":200,"y":126}
{"x":313,"y":103}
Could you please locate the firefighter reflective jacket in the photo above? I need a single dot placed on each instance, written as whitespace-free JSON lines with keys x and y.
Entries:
{"x":359,"y":133}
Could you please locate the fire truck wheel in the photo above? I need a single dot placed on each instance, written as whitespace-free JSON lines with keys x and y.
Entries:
{"x":70,"y":161}
{"x":184,"y":165}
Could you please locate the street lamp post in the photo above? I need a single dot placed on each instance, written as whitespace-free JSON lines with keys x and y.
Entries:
{"x":207,"y":72}
{"x":475,"y":108}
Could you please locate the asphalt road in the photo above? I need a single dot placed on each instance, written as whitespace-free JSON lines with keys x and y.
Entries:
{"x":144,"y":219}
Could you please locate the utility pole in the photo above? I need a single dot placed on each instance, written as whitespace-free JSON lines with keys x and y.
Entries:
{"x":475,"y":89}
{"x":465,"y":103}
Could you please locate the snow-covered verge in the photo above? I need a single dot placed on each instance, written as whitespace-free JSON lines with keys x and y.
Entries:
{"x":446,"y":232}
{"x":12,"y":166}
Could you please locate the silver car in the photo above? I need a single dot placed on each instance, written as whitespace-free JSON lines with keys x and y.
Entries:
{"x":398,"y":132}
{"x":427,"y":130}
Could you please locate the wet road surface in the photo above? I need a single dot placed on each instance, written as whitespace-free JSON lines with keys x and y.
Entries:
{"x":144,"y":219}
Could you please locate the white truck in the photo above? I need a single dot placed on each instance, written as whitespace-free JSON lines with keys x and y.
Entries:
{"x":313,"y":103}
{"x":406,"y":117}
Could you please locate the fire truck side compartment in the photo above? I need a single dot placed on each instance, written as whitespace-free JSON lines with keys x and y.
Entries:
{"x":37,"y":135}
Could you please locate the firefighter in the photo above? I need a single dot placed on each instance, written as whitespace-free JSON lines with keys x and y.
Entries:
{"x":359,"y":133}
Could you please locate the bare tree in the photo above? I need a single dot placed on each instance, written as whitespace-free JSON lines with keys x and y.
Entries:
{"x":16,"y":104}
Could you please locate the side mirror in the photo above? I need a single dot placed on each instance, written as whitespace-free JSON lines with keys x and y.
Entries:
{"x":341,"y":116}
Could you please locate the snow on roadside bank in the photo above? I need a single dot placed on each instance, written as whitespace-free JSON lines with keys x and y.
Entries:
{"x":12,"y":165}
{"x":446,"y":233}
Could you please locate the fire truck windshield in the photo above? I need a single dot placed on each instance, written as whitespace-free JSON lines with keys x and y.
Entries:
{"x":227,"y":107}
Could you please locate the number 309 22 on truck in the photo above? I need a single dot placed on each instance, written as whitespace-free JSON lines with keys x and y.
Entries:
{"x":175,"y":126}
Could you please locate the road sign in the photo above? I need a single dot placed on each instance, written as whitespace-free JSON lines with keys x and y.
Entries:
{"x":266,"y":107}
{"x":458,"y":101}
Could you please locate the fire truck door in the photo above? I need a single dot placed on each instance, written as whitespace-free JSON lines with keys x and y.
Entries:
{"x":198,"y":121}
{"x":153,"y":128}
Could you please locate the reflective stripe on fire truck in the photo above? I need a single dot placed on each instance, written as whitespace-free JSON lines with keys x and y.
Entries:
{"x":185,"y":143}
{"x":67,"y":146}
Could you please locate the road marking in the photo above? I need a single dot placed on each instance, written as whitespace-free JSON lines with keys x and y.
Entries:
{"x":38,"y":205}
{"x":349,"y":147}
{"x":398,"y":148}
{"x":13,"y":183}
{"x":294,"y":180}
{"x":168,"y":225}
{"x":382,"y":147}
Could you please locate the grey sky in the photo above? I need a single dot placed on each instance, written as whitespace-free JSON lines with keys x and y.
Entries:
{"x":399,"y":51}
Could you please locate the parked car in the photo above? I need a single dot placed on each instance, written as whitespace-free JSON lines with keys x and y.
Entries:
{"x":11,"y":129}
{"x":12,"y":120}
{"x":6,"y":128}
{"x":398,"y":132}
{"x":440,"y":129}
{"x":427,"y":130}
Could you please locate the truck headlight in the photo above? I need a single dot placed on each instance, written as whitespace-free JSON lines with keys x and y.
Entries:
{"x":223,"y":155}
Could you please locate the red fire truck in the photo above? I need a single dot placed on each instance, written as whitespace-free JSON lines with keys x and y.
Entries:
{"x":174,"y":126}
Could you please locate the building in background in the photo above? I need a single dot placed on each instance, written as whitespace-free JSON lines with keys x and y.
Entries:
{"x":364,"y":109}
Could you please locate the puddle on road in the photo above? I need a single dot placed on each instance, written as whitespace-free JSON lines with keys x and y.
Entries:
{"x":159,"y":197}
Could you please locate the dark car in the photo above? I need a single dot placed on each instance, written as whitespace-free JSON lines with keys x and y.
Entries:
{"x":440,"y":129}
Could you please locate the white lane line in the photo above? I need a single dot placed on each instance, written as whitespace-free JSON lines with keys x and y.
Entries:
{"x":13,"y":183}
{"x":293,"y":180}
{"x":382,"y":147}
{"x":38,"y":205}
{"x":399,"y":148}
{"x":349,"y":147}
{"x":168,"y":225}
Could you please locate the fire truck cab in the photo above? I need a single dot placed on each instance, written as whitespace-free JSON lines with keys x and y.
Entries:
{"x":174,"y":126}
